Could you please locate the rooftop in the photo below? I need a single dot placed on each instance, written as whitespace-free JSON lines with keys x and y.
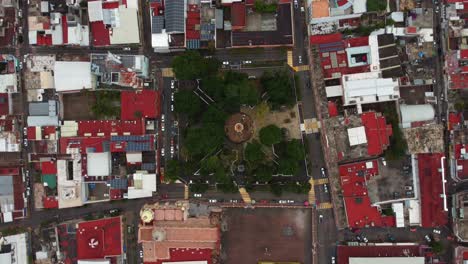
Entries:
{"x":72,"y":76}
{"x":344,"y":253}
{"x":100,"y":238}
{"x":145,"y":102}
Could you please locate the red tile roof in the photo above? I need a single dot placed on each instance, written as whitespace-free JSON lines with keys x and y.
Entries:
{"x":430,"y":181}
{"x":99,"y":238}
{"x":147,"y":102}
{"x":377,"y":132}
{"x":49,"y":167}
{"x":238,"y":15}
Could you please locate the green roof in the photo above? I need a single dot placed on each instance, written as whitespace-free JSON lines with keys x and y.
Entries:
{"x":50,"y":179}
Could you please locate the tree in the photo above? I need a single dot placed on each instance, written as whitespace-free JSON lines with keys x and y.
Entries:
{"x":270,"y":135}
{"x":253,"y":152}
{"x":288,"y":166}
{"x":199,"y":187}
{"x":186,"y":102}
{"x":376,"y":5}
{"x":398,"y":146}
{"x":278,"y":86}
{"x":214,"y":87}
{"x":172,"y":171}
{"x":295,"y":150}
{"x":214,"y":115}
{"x":191,"y":65}
{"x":264,"y":173}
{"x":204,"y":140}
{"x":437,"y":247}
{"x":210,"y":164}
{"x":262,"y":7}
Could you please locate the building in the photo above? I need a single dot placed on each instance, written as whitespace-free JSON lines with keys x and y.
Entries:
{"x":51,"y":24}
{"x":359,"y":136}
{"x":168,"y":234}
{"x":114,"y":23}
{"x":460,"y":220}
{"x":359,"y":70}
{"x":460,"y":162}
{"x":140,"y":104}
{"x":120,"y":70}
{"x":434,"y":208}
{"x":72,"y":76}
{"x":8,"y":22}
{"x":14,"y":249}
{"x":381,"y":253}
{"x":43,"y":114}
{"x":10,"y":139}
{"x":13,"y":200}
{"x":414,"y":115}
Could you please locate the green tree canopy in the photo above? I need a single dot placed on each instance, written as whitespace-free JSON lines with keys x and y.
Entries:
{"x":295,"y":149}
{"x":186,"y":102}
{"x":288,"y":166}
{"x":191,"y":65}
{"x":253,"y":152}
{"x":203,"y":140}
{"x":376,"y":5}
{"x":214,"y":115}
{"x":173,"y":171}
{"x":214,"y":87}
{"x":264,"y":173}
{"x":270,"y":135}
{"x":278,"y":86}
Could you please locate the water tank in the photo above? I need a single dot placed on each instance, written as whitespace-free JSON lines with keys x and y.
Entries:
{"x":416,"y":113}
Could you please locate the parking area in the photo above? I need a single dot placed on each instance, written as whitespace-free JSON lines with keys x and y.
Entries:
{"x":253,"y":235}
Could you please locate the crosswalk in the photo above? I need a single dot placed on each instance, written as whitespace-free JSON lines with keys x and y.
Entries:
{"x":245,"y":195}
{"x":167,"y":72}
{"x":321,"y":181}
{"x":312,"y":192}
{"x":290,"y":60}
{"x":323,"y":206}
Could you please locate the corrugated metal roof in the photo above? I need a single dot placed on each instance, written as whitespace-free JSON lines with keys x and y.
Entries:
{"x":175,"y":16}
{"x":193,"y":44}
{"x":157,"y":24}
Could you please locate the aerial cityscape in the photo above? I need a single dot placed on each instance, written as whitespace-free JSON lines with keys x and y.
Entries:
{"x":233,"y":131}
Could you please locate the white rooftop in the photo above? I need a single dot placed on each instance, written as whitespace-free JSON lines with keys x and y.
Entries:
{"x":387,"y":260}
{"x":127,"y":32}
{"x":369,"y":87}
{"x":95,"y":11}
{"x":72,"y":75}
{"x":357,"y":136}
{"x":99,"y":164}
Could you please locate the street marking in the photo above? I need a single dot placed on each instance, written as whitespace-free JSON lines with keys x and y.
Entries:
{"x":167,"y":72}
{"x":323,"y":206}
{"x":321,"y":181}
{"x":290,"y":58}
{"x":312,"y":125}
{"x":245,"y":195}
{"x":301,"y":68}
{"x":186,"y":192}
{"x":312,"y":191}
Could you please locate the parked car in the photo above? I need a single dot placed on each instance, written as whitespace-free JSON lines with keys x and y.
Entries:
{"x":364,"y":239}
{"x":333,"y":260}
{"x":162,"y":152}
{"x":428,"y":238}
{"x":436,"y":231}
{"x":320,"y":218}
{"x":247,"y":62}
{"x":296,"y":4}
{"x":141,"y":253}
{"x":127,"y":48}
{"x":162,"y":118}
{"x":172,"y":97}
{"x":212,"y":201}
{"x":325,"y":188}
{"x":322,"y":171}
{"x":162,"y":127}
{"x":172,"y":108}
{"x":198,"y":195}
{"x":300,"y":59}
{"x":172,"y":84}
{"x":234,"y":201}
{"x":225,"y":62}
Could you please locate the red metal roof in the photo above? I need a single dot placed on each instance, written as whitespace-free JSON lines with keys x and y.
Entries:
{"x":100,"y":238}
{"x":100,"y":34}
{"x":322,"y":39}
{"x":50,"y":202}
{"x":49,"y":167}
{"x":238,"y":15}
{"x":358,"y":41}
{"x":65,"y":29}
{"x":4,"y":108}
{"x":430,"y":181}
{"x":464,"y":54}
{"x":119,"y":127}
{"x":147,"y":102}
{"x":332,"y":109}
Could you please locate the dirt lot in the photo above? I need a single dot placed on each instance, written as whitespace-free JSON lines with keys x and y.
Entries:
{"x":77,"y":106}
{"x":268,"y":234}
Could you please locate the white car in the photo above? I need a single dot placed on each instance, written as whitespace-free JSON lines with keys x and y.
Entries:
{"x":234,"y":201}
{"x":325,"y":188}
{"x":300,"y":59}
{"x":296,"y":4}
{"x":141,"y":253}
{"x":322,"y":171}
{"x":162,"y":127}
{"x":172,"y":97}
{"x":225,"y":62}
{"x":247,"y":62}
{"x":212,"y":200}
{"x":127,"y":48}
{"x":198,"y":195}
{"x":428,"y":238}
{"x":172,"y":108}
{"x":364,"y":239}
{"x":282,"y":201}
{"x":162,"y":118}
{"x":333,"y":260}
{"x":172,"y":150}
{"x":172,"y":84}
{"x":162,"y":152}
{"x":436,"y":231}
